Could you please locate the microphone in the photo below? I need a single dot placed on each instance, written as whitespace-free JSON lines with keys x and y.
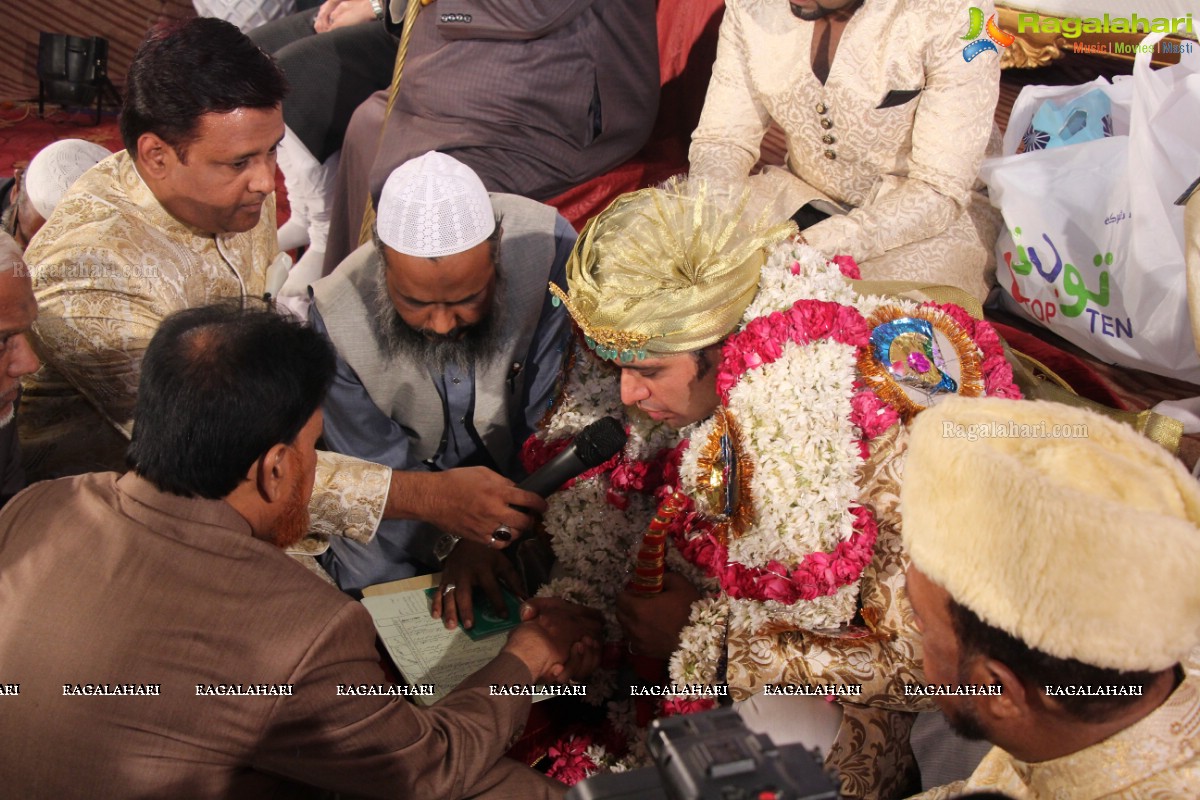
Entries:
{"x":593,"y":445}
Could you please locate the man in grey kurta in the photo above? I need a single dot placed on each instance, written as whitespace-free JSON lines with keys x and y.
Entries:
{"x":536,"y":97}
{"x":446,"y":362}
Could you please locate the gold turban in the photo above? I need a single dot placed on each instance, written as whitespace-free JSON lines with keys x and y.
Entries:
{"x":1059,"y":526}
{"x":668,"y":270}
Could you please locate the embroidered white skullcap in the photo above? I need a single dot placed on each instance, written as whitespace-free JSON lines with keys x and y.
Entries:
{"x":434,"y":206}
{"x":1081,"y":540}
{"x":56,"y":167}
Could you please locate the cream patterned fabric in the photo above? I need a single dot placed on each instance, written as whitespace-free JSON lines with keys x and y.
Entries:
{"x":107,"y":267}
{"x":1158,"y":758}
{"x":909,"y":170}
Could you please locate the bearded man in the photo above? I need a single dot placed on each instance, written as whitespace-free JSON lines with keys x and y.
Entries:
{"x":18,"y":310}
{"x":448,"y":352}
{"x":764,"y":398}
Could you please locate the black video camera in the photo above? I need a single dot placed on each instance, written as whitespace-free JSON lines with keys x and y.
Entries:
{"x":714,"y":756}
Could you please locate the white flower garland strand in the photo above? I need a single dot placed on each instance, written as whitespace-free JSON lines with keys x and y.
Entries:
{"x":795,"y":419}
{"x":701,"y":643}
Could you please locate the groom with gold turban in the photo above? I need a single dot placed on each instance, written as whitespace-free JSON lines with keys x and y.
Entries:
{"x":750,"y":382}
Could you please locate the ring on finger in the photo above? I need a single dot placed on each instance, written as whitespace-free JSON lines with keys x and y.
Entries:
{"x":503,"y":533}
{"x":447,"y":589}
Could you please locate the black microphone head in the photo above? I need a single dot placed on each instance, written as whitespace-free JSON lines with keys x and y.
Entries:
{"x":600,"y":441}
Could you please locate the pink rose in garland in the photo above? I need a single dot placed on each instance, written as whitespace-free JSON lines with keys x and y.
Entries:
{"x":675,"y":706}
{"x":571,"y":761}
{"x":848,"y":267}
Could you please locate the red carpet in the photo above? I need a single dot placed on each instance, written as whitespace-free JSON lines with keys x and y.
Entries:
{"x":1072,"y":369}
{"x":23,"y":133}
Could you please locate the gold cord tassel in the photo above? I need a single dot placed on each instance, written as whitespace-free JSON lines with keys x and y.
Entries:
{"x":410,"y":17}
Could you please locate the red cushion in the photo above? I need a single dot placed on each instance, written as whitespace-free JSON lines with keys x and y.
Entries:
{"x":1072,"y":369}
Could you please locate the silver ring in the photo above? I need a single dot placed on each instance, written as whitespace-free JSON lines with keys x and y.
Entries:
{"x":447,"y":589}
{"x":503,"y":533}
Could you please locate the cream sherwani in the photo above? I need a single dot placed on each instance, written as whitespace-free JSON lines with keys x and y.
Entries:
{"x":108,"y":266}
{"x":1158,"y":758}
{"x":896,"y":133}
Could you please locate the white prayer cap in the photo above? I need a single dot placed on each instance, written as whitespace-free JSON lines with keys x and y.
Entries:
{"x":434,"y":206}
{"x":56,"y":167}
{"x":1059,"y":526}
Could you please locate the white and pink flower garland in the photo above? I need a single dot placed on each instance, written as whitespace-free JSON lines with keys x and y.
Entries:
{"x":788,"y":380}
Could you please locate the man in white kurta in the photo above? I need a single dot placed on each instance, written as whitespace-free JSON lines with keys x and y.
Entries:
{"x":893,"y":134}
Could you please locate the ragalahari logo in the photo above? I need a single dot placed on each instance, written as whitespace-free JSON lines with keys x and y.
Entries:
{"x":995,"y":36}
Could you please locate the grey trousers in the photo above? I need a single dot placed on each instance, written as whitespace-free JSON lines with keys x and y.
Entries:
{"x":329,"y":74}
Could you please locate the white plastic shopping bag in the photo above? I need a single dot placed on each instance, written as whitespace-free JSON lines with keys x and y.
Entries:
{"x":1032,"y":97}
{"x":1092,"y":245}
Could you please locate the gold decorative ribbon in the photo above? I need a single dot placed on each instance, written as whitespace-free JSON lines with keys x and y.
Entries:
{"x":410,"y":17}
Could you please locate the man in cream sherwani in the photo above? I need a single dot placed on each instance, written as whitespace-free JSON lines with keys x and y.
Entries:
{"x":886,"y":124}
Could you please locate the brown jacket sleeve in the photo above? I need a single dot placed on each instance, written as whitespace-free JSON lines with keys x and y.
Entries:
{"x":381,"y":746}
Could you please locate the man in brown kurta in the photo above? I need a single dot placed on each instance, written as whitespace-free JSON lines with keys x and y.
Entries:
{"x":157,"y":645}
